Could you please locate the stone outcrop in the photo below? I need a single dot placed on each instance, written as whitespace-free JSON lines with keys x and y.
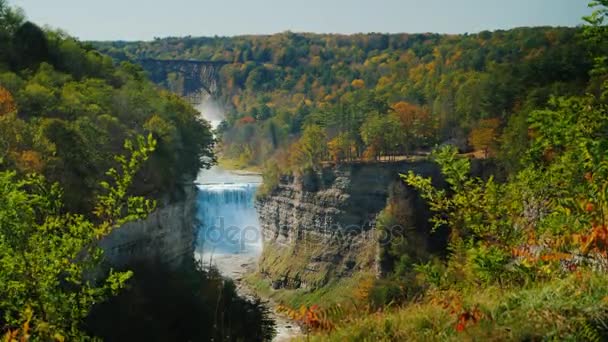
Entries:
{"x":167,"y":235}
{"x":188,"y":78}
{"x":322,"y":225}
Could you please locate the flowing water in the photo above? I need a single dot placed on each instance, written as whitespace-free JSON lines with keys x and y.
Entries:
{"x":229,"y":236}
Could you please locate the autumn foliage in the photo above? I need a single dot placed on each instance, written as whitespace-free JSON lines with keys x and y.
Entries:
{"x":484,"y":136}
{"x":358,"y":83}
{"x":7,"y":103}
{"x":246,"y":120}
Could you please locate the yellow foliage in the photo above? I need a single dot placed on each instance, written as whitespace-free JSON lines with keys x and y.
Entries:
{"x":358,"y":83}
{"x":315,"y":61}
{"x":298,"y":98}
{"x":483,"y":137}
{"x":384,"y":81}
{"x":362,"y":291}
{"x":329,"y":97}
{"x":236,"y":101}
{"x":456,"y":56}
{"x":341,"y":148}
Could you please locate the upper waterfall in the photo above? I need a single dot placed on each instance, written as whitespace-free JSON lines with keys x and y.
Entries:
{"x":226,"y":212}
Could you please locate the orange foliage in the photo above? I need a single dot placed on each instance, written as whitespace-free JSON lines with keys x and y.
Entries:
{"x":246,"y":120}
{"x":595,"y":242}
{"x":341,"y":148}
{"x":464,"y":316}
{"x":312,"y":318}
{"x":22,"y":334}
{"x":370,"y":153}
{"x":408,"y":113}
{"x":468,"y":317}
{"x":7,"y":103}
{"x":29,"y":161}
{"x":414,"y":119}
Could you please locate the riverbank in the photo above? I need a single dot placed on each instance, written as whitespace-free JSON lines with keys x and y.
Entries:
{"x":236,"y":166}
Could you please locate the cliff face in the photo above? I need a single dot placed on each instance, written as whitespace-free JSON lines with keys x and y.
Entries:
{"x":167,"y":235}
{"x":322,"y":225}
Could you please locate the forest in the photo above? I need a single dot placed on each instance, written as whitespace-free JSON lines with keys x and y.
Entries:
{"x":379,"y":95}
{"x":87,"y":145}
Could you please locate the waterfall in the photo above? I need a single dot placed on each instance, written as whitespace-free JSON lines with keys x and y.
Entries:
{"x":229,"y":222}
{"x":229,"y":230}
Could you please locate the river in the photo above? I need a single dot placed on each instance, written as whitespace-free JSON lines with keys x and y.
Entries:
{"x":229,"y":237}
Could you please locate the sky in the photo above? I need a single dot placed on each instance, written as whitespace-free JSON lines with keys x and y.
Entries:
{"x":145,"y":19}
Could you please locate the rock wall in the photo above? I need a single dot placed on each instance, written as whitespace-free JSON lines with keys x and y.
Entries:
{"x":322,"y":225}
{"x":166,"y":235}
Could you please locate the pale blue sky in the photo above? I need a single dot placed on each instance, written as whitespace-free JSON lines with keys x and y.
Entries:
{"x":143,"y":20}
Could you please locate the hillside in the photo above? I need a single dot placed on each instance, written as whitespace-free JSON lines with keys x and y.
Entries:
{"x":441,"y":87}
{"x":66,"y":110}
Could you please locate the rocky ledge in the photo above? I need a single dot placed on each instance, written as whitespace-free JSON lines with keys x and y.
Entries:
{"x":322,"y":225}
{"x":167,"y":235}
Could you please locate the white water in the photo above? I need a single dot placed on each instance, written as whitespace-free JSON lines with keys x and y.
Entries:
{"x":211,"y":111}
{"x":229,"y":237}
{"x":229,"y":223}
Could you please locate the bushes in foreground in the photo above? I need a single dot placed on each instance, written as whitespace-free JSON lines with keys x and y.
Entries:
{"x":187,"y":304}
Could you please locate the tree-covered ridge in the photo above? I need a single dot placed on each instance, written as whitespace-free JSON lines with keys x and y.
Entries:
{"x":278,"y":84}
{"x":66,"y":110}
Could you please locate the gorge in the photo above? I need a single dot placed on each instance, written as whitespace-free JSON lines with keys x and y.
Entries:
{"x":306,"y":186}
{"x":308,"y":231}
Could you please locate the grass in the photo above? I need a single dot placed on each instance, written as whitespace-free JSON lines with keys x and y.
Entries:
{"x":235,"y":164}
{"x":311,"y":264}
{"x":293,"y":263}
{"x":570,"y":309}
{"x":336,"y":292}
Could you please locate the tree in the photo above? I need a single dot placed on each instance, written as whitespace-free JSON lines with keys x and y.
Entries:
{"x":380,"y":133}
{"x":342,"y":147}
{"x":10,"y":19}
{"x":484,"y":136}
{"x":49,"y":257}
{"x":416,"y":125}
{"x":310,"y":150}
{"x":7,"y":103}
{"x":30,"y":45}
{"x":595,"y":33}
{"x":36,"y":100}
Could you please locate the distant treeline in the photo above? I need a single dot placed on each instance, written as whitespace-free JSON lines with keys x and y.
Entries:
{"x":381,"y":93}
